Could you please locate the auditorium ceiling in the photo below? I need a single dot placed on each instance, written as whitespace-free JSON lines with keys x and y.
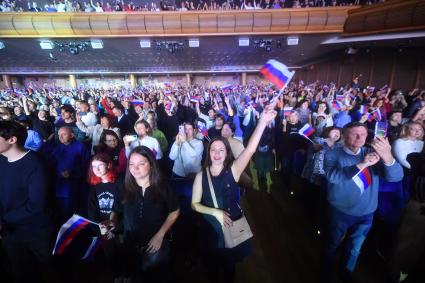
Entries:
{"x":215,"y":54}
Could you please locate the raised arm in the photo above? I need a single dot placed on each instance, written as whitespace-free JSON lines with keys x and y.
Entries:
{"x":229,"y":107}
{"x":242,"y":161}
{"x":25,"y":105}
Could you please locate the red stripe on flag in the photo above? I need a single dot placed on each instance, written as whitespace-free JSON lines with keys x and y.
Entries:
{"x":269,"y":76}
{"x":70,"y":237}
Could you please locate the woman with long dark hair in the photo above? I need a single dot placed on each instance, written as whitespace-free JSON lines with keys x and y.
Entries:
{"x":147,"y":213}
{"x":225,"y":173}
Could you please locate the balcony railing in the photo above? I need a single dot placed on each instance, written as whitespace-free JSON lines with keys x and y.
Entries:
{"x":390,"y":16}
{"x":150,"y":24}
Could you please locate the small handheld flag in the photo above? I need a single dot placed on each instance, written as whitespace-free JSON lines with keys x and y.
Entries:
{"x":377,"y":114}
{"x":287,"y":111}
{"x":226,"y":87}
{"x":170,"y":106}
{"x":203,"y":130}
{"x":307,"y":131}
{"x":363,"y":180}
{"x":337,"y":105}
{"x":339,"y":97}
{"x":93,"y":248}
{"x":69,"y":231}
{"x":194,"y":99}
{"x":363,"y":109}
{"x":138,"y":102}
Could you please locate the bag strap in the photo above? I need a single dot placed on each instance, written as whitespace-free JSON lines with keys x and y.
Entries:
{"x":211,"y":188}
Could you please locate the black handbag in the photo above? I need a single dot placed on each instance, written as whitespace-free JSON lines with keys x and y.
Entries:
{"x":152,"y":260}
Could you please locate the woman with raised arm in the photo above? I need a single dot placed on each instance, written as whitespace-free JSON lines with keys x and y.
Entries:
{"x":225,"y":173}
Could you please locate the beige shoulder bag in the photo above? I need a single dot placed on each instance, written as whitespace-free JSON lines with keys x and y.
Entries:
{"x":239,"y":232}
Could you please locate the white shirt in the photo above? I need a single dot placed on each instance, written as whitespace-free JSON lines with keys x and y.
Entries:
{"x":187,"y":157}
{"x":89,"y":119}
{"x":402,"y":147}
{"x":148,"y":141}
{"x":61,"y":7}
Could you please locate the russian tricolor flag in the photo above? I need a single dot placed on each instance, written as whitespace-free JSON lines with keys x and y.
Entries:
{"x":306,"y":130}
{"x":337,"y":105}
{"x":363,"y":180}
{"x":339,"y":97}
{"x":363,"y":109}
{"x":202,"y":129}
{"x":138,"y":102}
{"x":195,"y":99}
{"x":69,"y":231}
{"x":287,"y":111}
{"x":277,"y":73}
{"x":170,"y":106}
{"x":377,"y":114}
{"x":93,"y":248}
{"x":226,"y":87}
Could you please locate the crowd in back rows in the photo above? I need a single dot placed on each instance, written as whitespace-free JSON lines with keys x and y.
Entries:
{"x":119,"y":6}
{"x":175,"y":124}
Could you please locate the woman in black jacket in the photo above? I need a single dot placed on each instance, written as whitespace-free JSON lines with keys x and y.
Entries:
{"x":410,"y":247}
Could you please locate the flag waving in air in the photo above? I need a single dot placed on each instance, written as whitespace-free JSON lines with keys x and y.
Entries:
{"x":306,"y":130}
{"x":277,"y":73}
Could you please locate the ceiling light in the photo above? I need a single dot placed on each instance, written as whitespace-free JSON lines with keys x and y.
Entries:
{"x":292,"y":40}
{"x":145,"y":43}
{"x":96,"y":44}
{"x":351,"y":51}
{"x":194,"y":43}
{"x":243,"y":41}
{"x":46,"y":44}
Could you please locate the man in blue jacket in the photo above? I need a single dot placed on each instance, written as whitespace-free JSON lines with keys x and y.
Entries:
{"x":353,"y":173}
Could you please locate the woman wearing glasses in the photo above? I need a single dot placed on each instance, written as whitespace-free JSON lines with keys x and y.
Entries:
{"x":111,"y":145}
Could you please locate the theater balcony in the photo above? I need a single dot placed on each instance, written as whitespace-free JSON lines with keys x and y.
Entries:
{"x":151,"y":24}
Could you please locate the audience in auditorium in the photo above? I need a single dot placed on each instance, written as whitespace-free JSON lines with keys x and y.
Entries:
{"x":120,"y":5}
{"x":171,"y":130}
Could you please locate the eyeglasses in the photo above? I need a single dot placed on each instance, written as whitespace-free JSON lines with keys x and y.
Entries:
{"x":98,"y":166}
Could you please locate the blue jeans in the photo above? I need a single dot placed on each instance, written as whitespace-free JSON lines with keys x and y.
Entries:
{"x":341,"y":226}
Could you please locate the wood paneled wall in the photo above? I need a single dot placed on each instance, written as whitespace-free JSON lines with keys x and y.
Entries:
{"x":403,"y":69}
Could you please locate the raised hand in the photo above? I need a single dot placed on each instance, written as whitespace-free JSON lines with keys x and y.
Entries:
{"x":268,"y":114}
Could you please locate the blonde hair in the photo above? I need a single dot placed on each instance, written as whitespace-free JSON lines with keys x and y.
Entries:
{"x":405,"y":130}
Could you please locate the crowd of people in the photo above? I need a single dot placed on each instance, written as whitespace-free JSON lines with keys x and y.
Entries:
{"x":121,"y":5}
{"x":107,"y":154}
